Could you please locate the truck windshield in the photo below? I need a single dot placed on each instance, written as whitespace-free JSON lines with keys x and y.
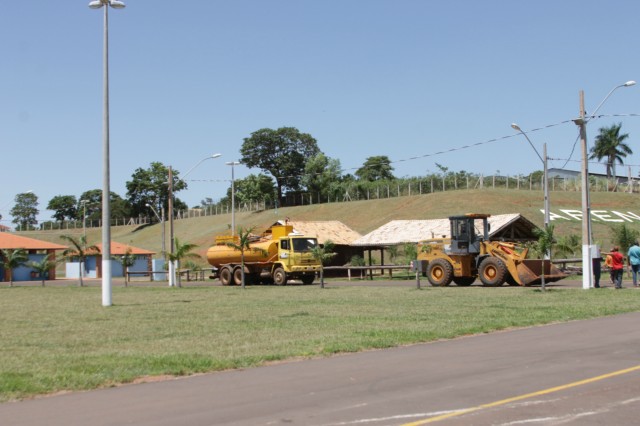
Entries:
{"x":304,"y":244}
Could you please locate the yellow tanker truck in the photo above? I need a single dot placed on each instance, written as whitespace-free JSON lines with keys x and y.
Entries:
{"x":279,"y":255}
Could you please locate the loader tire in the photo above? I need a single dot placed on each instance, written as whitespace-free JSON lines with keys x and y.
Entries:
{"x":279,"y":276}
{"x":464,"y":281}
{"x":492,"y":272}
{"x":225,"y":276}
{"x":439,"y":273}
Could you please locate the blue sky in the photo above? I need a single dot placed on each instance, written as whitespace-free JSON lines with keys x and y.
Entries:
{"x":402,"y":78}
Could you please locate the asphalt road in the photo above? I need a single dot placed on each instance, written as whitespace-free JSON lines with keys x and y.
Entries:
{"x":576,"y":373}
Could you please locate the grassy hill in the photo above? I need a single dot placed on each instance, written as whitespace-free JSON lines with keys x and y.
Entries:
{"x":365,"y":216}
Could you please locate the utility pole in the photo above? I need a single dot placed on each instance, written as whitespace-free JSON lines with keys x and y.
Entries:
{"x":587,"y":267}
{"x":172,"y":271}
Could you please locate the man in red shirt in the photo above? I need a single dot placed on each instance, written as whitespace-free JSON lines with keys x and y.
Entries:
{"x":617,"y":266}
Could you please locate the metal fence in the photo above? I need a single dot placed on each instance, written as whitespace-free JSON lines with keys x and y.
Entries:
{"x":355,"y":191}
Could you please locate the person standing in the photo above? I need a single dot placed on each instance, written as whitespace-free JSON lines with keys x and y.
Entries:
{"x":597,"y":259}
{"x":617,"y":266}
{"x":608,"y":262}
{"x":633,"y":258}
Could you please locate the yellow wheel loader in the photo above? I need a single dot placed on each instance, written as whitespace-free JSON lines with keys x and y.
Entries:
{"x":469,"y":254}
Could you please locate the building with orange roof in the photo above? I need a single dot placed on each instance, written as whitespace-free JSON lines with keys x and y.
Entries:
{"x":142,"y":262}
{"x":36,"y":250}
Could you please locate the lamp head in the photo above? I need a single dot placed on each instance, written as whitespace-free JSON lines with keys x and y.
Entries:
{"x":516,"y":127}
{"x":630,"y":83}
{"x":97,"y":4}
{"x":216,"y":155}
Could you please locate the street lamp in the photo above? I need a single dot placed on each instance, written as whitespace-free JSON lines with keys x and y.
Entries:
{"x":172,"y":269}
{"x":84,"y":219}
{"x":544,"y":160}
{"x":161,"y":220}
{"x":581,"y":122}
{"x":233,"y":197}
{"x":106,"y":205}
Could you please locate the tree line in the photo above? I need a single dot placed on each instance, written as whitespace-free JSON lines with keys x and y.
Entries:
{"x":291,"y":163}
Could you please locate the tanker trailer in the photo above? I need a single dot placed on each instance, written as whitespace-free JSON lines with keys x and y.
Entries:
{"x":277,"y":256}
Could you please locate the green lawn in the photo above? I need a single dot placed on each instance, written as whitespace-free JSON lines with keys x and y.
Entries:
{"x":61,"y":338}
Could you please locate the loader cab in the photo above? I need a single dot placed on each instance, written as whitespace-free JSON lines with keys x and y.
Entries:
{"x":465,"y":236}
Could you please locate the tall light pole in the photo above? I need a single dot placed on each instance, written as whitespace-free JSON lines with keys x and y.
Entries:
{"x":106,"y":205}
{"x":233,"y":197}
{"x":544,"y":160}
{"x":172,"y":265}
{"x":161,"y":220}
{"x":581,"y":122}
{"x":84,"y":219}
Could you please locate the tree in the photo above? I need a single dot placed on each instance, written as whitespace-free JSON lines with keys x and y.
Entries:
{"x":376,"y":168}
{"x":323,"y":253}
{"x":610,"y":144}
{"x":623,"y":236}
{"x":126,"y":260}
{"x":243,"y":244}
{"x":252,"y":188}
{"x":64,"y":206}
{"x":42,"y":267}
{"x":568,"y":245}
{"x":11,"y":259}
{"x":544,"y":244}
{"x":182,"y":251}
{"x":282,"y":153}
{"x":320,"y":174}
{"x":150,"y":186}
{"x":410,"y":252}
{"x":93,"y":198}
{"x":78,"y":251}
{"x":25,"y":210}
{"x":392,"y":251}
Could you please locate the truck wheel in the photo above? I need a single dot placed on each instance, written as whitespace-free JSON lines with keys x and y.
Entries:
{"x":439,"y":272}
{"x":237,"y":276}
{"x":279,"y":277}
{"x":464,"y":281}
{"x":492,"y":272}
{"x":307,"y":278}
{"x":225,"y":276}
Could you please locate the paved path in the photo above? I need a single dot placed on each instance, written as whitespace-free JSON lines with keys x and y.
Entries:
{"x":531,"y":374}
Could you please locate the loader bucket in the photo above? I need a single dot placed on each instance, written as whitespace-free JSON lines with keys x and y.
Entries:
{"x":530,"y":272}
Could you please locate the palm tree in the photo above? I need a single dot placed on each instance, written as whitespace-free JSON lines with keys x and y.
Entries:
{"x":182,"y":251}
{"x":11,"y":259}
{"x":568,"y":245}
{"x":78,"y":251}
{"x":610,"y":144}
{"x":126,"y":260}
{"x":242,"y":244}
{"x":545,"y":242}
{"x":323,"y":254}
{"x":42,"y":267}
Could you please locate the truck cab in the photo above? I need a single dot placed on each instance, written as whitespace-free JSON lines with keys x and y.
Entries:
{"x":465,"y":237}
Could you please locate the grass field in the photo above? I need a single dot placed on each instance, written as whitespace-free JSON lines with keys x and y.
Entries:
{"x":61,"y":338}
